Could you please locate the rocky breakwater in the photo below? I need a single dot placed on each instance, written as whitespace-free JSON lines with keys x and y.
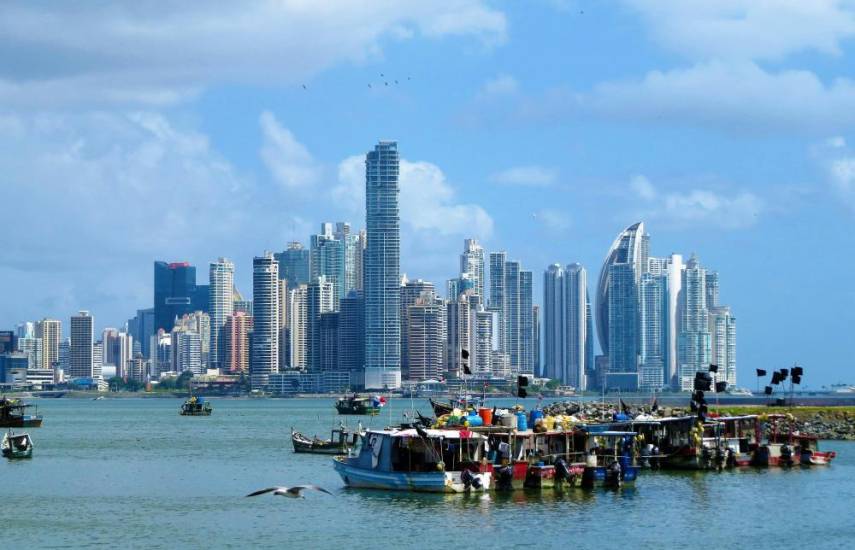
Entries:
{"x":826,"y":423}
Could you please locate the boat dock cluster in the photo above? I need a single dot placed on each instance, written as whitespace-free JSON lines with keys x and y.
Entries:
{"x":564,"y":445}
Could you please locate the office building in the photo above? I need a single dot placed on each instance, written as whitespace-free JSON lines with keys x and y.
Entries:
{"x":81,"y":358}
{"x":351,"y":357}
{"x":653,"y":324}
{"x":236,"y":343}
{"x":472,"y":264}
{"x":297,"y":326}
{"x":264,"y":359}
{"x":50,"y":333}
{"x":425,"y":352}
{"x":411,"y":291}
{"x":176,"y":293}
{"x":221,"y":282}
{"x":695,"y":338}
{"x":320,"y":297}
{"x":327,"y":260}
{"x":294,"y":265}
{"x":382,"y":271}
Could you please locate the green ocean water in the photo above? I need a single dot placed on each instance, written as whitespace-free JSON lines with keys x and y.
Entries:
{"x":133,"y":473}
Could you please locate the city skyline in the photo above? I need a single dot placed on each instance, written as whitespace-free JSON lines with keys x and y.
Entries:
{"x":546,"y":159}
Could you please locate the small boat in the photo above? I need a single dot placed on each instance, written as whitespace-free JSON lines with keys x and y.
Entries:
{"x":13,"y":414}
{"x":196,"y":406}
{"x":359,"y":405}
{"x":789,"y":447}
{"x":16,"y":445}
{"x":610,"y":458}
{"x":340,"y":442}
{"x":419,"y":460}
{"x":461,"y":402}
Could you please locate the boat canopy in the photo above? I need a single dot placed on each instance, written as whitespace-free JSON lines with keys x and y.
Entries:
{"x":431,"y":433}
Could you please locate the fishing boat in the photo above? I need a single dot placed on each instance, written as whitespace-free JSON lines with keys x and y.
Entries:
{"x":609,"y":460}
{"x":196,"y":406}
{"x":789,"y":447}
{"x":419,"y":460}
{"x":357,"y":405}
{"x":16,"y":446}
{"x":740,"y":435}
{"x":686,"y":443}
{"x":340,"y":442}
{"x":13,"y":414}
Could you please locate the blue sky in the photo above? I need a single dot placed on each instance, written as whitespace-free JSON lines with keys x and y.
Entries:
{"x":132,"y":132}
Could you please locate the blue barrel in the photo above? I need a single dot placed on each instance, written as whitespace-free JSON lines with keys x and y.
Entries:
{"x":474,"y":420}
{"x":535,"y":414}
{"x":522,"y":425}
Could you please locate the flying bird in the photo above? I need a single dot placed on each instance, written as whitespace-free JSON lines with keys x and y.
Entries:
{"x":290,"y":492}
{"x":304,"y":86}
{"x":369,"y":85}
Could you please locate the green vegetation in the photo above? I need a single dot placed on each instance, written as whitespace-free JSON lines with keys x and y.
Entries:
{"x":798,"y":412}
{"x":180,"y":383}
{"x":120,"y":384}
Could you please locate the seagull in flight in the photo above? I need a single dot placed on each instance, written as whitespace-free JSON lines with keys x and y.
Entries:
{"x":290,"y":492}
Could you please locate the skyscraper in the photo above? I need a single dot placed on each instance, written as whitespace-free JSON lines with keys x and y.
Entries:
{"x":294,"y":264}
{"x":425,"y":330}
{"x":327,"y":260}
{"x":319,"y":300}
{"x":458,"y":336}
{"x":352,"y":257}
{"x":221,"y":279}
{"x":297,"y":330}
{"x":411,"y":291}
{"x":653,"y":311}
{"x":265,"y":307}
{"x":497,"y":296}
{"x":81,"y":353}
{"x":565,"y":305}
{"x":723,"y":343}
{"x":176,"y":293}
{"x":352,"y":336}
{"x":382,"y":268}
{"x":695,"y":339}
{"x":50,"y":331}
{"x":626,"y":249}
{"x":472,"y":263}
{"x":527,"y":335}
{"x":236,"y":343}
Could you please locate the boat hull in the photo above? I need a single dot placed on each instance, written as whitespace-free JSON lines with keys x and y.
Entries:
{"x":22,"y":422}
{"x":599,"y":476}
{"x":421,"y":482}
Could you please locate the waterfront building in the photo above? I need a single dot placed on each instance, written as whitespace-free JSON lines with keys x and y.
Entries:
{"x":382,"y":268}
{"x":25,"y":330}
{"x":50,"y":333}
{"x":284,"y":330}
{"x":186,"y":350}
{"x":426,"y":318}
{"x":497,"y":296}
{"x":80,"y":363}
{"x":32,"y":348}
{"x":528,"y":323}
{"x":297,"y":326}
{"x":118,"y":350}
{"x":264,"y":359}
{"x":481,"y":343}
{"x":623,"y":327}
{"x":653,"y":298}
{"x":351,"y":336}
{"x":7,"y":341}
{"x":359,"y":259}
{"x":411,"y":291}
{"x":320,"y":297}
{"x":176,"y":293}
{"x":294,"y":264}
{"x":328,"y":326}
{"x":458,"y":336}
{"x":221,"y":282}
{"x":236,"y":343}
{"x":200,"y":323}
{"x":98,"y":360}
{"x":141,"y":328}
{"x":352,"y":257}
{"x":327,"y":260}
{"x":723,"y":343}
{"x":472,"y":264}
{"x":695,"y":339}
{"x":566,"y":311}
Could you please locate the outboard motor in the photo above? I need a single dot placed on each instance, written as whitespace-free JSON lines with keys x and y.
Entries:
{"x":613,"y":477}
{"x":469,"y":479}
{"x":786,"y":455}
{"x":562,"y":472}
{"x":504,"y":478}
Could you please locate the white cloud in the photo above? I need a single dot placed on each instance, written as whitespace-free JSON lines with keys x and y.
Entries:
{"x":553,"y":219}
{"x":747,"y":29}
{"x":838,"y":161}
{"x":427,"y":200}
{"x":502,"y":84}
{"x":642,"y":187}
{"x":159,"y":53}
{"x":698,"y":207}
{"x":532,"y":176}
{"x":287,"y":159}
{"x":738,"y":96}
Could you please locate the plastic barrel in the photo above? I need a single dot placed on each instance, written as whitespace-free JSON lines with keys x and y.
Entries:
{"x":522,"y":424}
{"x":486,"y":415}
{"x":474,"y":420}
{"x":535,"y":414}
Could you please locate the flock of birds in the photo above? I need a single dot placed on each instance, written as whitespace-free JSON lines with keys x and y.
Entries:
{"x":386,"y":82}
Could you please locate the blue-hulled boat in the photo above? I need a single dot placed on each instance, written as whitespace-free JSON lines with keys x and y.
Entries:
{"x":416,"y":459}
{"x":610,"y":457}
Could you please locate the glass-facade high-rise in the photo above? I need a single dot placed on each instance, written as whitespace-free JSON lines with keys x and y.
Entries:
{"x":264,"y":346}
{"x":294,"y":264}
{"x":327,"y":260}
{"x":653,"y":301}
{"x":382,"y":269}
{"x":176,"y":293}
{"x":565,"y":305}
{"x":221,"y":305}
{"x":472,"y":263}
{"x":695,"y":340}
{"x":623,"y":327}
{"x":81,"y":353}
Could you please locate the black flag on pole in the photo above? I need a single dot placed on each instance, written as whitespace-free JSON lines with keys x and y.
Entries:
{"x":761,"y":372}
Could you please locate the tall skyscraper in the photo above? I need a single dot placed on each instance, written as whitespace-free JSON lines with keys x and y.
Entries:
{"x":176,"y":293}
{"x":7,"y":341}
{"x":653,"y":323}
{"x":565,"y":305}
{"x":472,"y":263}
{"x":297,"y":326}
{"x":32,"y":348}
{"x":497,"y":296}
{"x":426,"y":317}
{"x":221,"y":282}
{"x":284,"y":326}
{"x":695,"y":339}
{"x":50,"y":332}
{"x":411,"y":291}
{"x":458,"y":336}
{"x":328,"y":260}
{"x":723,"y":343}
{"x":265,"y":308}
{"x":626,"y":249}
{"x":236,"y":343}
{"x":527,"y":335}
{"x":81,"y":352}
{"x":382,"y":268}
{"x":352,"y":257}
{"x":359,"y":259}
{"x":319,"y":300}
{"x":141,"y":328}
{"x":294,"y":265}
{"x":352,"y":336}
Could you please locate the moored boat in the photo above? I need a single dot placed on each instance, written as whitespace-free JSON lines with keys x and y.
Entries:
{"x":14,"y":414}
{"x":419,"y":460}
{"x":340,"y":442}
{"x":357,"y":405}
{"x":15,"y":446}
{"x":788,"y":447}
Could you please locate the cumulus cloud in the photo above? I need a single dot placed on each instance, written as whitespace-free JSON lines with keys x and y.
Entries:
{"x":132,"y":52}
{"x":697,"y":207}
{"x":91,"y":199}
{"x":427,"y":201}
{"x":837,"y":160}
{"x":530,"y":176}
{"x":287,"y":159}
{"x":747,"y":29}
